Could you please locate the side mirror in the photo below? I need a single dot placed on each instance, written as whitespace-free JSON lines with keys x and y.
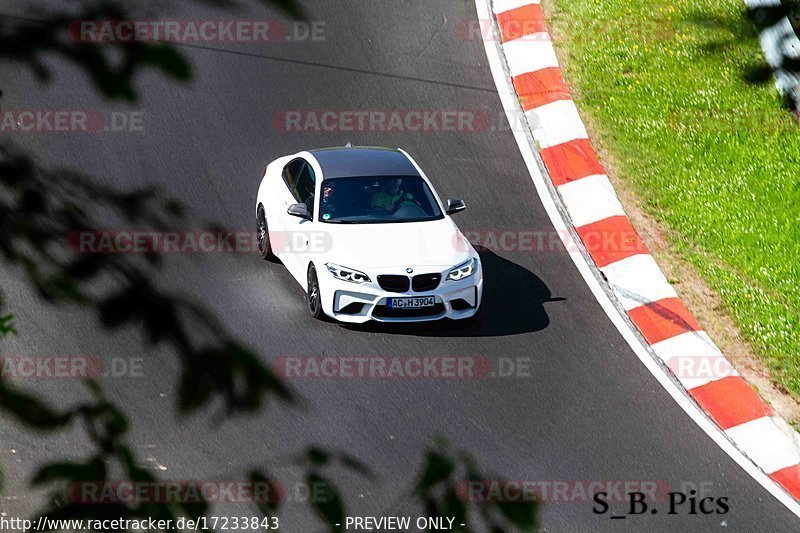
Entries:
{"x":455,"y":205}
{"x":299,"y":210}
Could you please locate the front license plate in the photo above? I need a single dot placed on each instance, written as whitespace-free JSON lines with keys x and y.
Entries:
{"x":410,"y":303}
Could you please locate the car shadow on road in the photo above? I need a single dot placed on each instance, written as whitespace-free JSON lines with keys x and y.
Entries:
{"x":513,"y":303}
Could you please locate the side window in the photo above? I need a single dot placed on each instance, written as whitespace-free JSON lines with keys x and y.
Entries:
{"x":304,"y":187}
{"x":291,"y":172}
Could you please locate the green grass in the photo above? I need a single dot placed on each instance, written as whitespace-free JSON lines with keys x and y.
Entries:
{"x":714,"y":158}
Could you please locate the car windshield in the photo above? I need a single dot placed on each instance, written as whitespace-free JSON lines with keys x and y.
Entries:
{"x":375,"y":200}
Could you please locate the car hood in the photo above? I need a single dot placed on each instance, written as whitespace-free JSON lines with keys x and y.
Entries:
{"x":407,"y":244}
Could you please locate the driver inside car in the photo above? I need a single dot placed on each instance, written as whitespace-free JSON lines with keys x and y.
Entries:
{"x":328,"y":199}
{"x":390,"y":197}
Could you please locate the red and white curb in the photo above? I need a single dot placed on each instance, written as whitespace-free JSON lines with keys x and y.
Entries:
{"x":590,"y":206}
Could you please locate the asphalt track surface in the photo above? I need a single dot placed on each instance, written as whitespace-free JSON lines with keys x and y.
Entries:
{"x":589,"y":409}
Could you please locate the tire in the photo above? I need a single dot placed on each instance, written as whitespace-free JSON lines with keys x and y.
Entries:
{"x":264,"y":245}
{"x":314,"y":298}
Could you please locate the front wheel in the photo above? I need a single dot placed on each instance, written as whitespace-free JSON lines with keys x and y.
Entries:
{"x":264,"y":246}
{"x":314,"y":297}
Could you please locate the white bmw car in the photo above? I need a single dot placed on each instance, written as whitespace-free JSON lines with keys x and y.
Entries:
{"x":367,"y":237}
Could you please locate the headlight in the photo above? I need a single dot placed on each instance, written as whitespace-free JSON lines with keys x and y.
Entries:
{"x":347,"y":274}
{"x":463,"y":270}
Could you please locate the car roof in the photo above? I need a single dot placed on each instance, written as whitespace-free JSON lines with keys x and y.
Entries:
{"x":363,"y":162}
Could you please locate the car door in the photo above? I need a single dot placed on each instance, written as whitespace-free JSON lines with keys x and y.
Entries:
{"x":281,"y":198}
{"x":289,"y":176}
{"x":300,"y":181}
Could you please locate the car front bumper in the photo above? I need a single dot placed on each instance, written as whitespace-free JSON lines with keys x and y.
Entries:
{"x":355,"y":304}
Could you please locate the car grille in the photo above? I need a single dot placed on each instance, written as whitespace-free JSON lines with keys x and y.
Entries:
{"x":419,"y":283}
{"x":392,"y":283}
{"x":382,"y":311}
{"x":425,"y":282}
